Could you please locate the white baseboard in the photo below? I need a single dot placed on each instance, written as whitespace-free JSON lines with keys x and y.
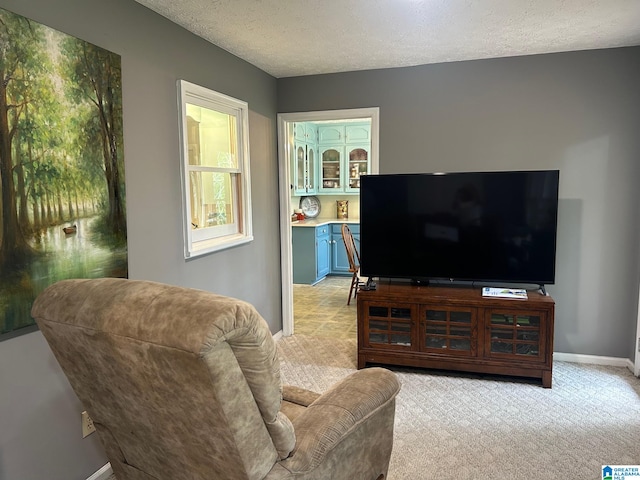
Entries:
{"x":102,"y":474}
{"x":594,"y":359}
{"x":277,"y":336}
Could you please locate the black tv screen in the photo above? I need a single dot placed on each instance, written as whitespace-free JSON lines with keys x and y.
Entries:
{"x":481,"y":226}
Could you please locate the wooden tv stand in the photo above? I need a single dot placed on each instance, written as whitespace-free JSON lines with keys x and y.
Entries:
{"x":456,"y":328}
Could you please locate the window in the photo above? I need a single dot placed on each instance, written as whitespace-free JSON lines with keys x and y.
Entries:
{"x":215,"y":170}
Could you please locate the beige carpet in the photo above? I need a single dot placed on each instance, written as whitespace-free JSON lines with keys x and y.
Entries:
{"x":472,"y":427}
{"x":468,"y":427}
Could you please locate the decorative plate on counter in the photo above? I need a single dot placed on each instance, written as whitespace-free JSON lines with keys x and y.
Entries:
{"x":310,"y":206}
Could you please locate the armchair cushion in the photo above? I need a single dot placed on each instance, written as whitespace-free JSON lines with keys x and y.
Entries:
{"x":334,"y":415}
{"x":295,"y":400}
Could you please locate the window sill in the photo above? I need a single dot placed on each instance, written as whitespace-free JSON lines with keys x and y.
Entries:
{"x":209,"y":246}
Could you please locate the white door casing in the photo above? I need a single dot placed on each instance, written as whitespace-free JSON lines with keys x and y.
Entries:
{"x":285,"y":140}
{"x":636,"y":366}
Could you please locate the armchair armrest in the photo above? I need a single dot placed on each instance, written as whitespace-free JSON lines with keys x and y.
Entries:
{"x":340,"y":411}
{"x":298,"y":396}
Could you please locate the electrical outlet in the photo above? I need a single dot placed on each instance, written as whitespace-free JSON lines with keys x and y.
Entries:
{"x":87,"y":425}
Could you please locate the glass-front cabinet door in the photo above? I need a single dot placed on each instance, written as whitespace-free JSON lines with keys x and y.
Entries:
{"x":311,"y":170}
{"x":358,"y":158}
{"x":449,"y":330}
{"x":304,"y":167}
{"x":330,"y":169}
{"x":300,"y":168}
{"x":515,"y":334}
{"x":389,"y":326}
{"x":304,"y":170}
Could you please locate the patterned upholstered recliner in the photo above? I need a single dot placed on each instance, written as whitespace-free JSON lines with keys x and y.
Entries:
{"x":185,"y":384}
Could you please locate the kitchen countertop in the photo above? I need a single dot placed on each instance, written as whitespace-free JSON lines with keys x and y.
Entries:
{"x":316,"y":222}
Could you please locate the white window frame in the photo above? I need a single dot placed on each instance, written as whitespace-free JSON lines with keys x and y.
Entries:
{"x":207,"y":240}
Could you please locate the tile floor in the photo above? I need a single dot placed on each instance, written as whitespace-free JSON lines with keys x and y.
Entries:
{"x":321,"y":310}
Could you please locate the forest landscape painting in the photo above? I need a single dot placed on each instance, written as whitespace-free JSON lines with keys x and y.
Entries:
{"x":62,"y":198}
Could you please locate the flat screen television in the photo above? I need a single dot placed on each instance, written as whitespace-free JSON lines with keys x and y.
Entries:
{"x":476,"y":226}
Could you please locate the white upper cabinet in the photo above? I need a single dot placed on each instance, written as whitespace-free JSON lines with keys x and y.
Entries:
{"x":331,"y":134}
{"x":306,"y":132}
{"x":358,"y":133}
{"x":341,"y":153}
{"x":304,"y":171}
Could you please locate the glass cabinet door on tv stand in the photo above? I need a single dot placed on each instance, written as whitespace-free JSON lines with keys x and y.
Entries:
{"x":390,"y":326}
{"x":515,"y":333}
{"x":450,"y":329}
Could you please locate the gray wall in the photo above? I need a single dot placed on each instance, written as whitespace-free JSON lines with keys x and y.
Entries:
{"x":577,"y":112}
{"x":40,"y":435}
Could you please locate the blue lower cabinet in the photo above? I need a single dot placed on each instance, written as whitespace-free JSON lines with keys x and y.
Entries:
{"x":323,"y":253}
{"x":320,"y":251}
{"x":339,"y":259}
{"x":311,"y":254}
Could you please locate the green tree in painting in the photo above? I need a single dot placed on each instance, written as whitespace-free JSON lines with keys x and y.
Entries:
{"x":20,"y":44}
{"x":94,"y":75}
{"x":37,"y":136}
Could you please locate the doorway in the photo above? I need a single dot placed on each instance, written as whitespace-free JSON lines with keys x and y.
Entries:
{"x":285,"y":156}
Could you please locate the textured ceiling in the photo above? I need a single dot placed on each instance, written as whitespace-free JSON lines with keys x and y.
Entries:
{"x":303,"y":37}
